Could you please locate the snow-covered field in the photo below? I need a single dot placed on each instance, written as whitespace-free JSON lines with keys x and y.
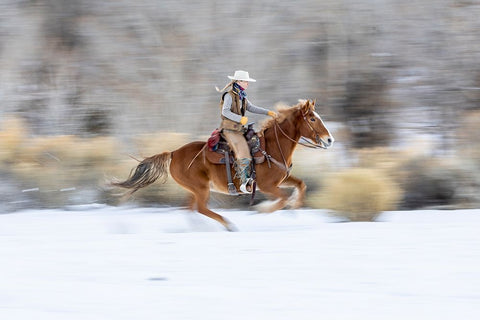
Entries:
{"x":101,"y":262}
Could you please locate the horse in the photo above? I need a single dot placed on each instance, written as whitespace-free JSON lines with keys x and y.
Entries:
{"x":188,"y":166}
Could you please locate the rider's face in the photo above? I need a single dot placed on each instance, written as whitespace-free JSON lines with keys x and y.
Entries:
{"x":243,"y":84}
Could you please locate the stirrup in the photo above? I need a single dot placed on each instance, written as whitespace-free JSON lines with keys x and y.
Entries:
{"x":244,"y":186}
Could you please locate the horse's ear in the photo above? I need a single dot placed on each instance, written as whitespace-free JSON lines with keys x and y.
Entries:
{"x":306,"y":105}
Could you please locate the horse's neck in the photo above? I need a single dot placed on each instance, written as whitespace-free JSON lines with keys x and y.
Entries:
{"x":286,"y":140}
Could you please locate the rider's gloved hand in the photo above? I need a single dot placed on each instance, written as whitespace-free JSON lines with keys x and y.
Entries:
{"x":244,"y":121}
{"x":272,"y":113}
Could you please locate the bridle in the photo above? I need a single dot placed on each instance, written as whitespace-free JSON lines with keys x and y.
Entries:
{"x":308,"y":144}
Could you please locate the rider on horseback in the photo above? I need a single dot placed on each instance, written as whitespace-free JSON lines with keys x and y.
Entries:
{"x":234,"y":104}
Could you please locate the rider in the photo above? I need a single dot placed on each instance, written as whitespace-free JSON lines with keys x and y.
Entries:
{"x":234,"y":104}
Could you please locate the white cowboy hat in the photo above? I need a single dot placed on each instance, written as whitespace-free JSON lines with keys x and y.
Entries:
{"x":242,"y":76}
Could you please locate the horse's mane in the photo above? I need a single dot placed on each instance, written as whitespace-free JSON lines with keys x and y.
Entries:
{"x":284,"y":112}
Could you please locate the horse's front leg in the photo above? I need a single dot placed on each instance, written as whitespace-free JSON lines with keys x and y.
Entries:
{"x":276,"y":193}
{"x":298,"y":196}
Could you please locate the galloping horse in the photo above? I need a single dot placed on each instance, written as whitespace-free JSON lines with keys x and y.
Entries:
{"x":195,"y":173}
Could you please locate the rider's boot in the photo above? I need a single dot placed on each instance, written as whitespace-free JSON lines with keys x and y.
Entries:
{"x":242,"y":166}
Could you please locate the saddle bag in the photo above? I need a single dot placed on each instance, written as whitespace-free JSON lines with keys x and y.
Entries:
{"x":213,"y":140}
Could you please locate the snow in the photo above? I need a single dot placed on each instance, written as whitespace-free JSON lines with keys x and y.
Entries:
{"x":100,"y":262}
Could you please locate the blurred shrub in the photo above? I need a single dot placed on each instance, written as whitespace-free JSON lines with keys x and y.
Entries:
{"x":101,"y":149}
{"x":390,"y":162}
{"x":70,"y":150}
{"x":357,"y":194}
{"x":427,"y":181}
{"x":46,"y":149}
{"x":380,"y":158}
{"x":60,"y":23}
{"x":150,"y":144}
{"x":440,"y":182}
{"x":365,"y":110}
{"x":467,"y":135}
{"x":12,"y":135}
{"x":307,"y":161}
{"x":97,"y":122}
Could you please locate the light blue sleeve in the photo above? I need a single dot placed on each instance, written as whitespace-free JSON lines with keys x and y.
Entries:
{"x":254,"y":109}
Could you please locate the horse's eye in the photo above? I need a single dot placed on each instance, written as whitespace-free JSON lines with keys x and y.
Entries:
{"x":312,"y":119}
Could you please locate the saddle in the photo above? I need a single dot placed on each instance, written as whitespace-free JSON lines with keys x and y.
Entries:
{"x":219,"y":152}
{"x":218,"y":147}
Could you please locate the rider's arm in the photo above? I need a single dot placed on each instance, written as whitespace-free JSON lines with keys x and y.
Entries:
{"x":226,"y":112}
{"x":254,"y":109}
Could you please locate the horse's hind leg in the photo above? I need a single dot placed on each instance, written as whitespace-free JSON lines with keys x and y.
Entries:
{"x":202,"y":199}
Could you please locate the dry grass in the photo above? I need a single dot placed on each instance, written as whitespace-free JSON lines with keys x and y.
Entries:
{"x":53,"y":164}
{"x":56,"y":163}
{"x":70,"y":150}
{"x":47,"y":149}
{"x":380,"y":158}
{"x":358,"y":194}
{"x":150,"y":144}
{"x":467,"y":136}
{"x":12,"y":135}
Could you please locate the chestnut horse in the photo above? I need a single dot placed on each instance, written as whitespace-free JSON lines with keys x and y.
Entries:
{"x":190,"y":169}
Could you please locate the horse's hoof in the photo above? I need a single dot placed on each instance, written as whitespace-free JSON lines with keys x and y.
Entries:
{"x":231,"y":227}
{"x":266,"y":206}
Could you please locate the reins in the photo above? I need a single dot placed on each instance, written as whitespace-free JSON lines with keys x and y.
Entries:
{"x":286,"y":167}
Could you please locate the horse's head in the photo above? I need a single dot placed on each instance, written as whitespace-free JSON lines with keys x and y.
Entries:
{"x":311,"y":126}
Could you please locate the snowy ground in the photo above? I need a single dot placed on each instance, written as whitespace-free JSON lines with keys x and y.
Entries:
{"x":136,"y":263}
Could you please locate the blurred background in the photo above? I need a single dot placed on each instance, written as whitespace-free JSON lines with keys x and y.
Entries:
{"x":84,"y":84}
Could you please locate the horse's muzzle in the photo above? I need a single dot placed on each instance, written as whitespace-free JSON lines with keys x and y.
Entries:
{"x":324,"y":143}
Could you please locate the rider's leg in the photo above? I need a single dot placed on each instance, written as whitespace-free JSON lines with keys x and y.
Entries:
{"x":237,"y":142}
{"x":242,"y":166}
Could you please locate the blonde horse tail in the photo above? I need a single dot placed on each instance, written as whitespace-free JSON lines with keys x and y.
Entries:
{"x":147,"y":172}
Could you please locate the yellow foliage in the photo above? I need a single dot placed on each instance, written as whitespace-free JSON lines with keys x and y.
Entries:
{"x":358,"y":194}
